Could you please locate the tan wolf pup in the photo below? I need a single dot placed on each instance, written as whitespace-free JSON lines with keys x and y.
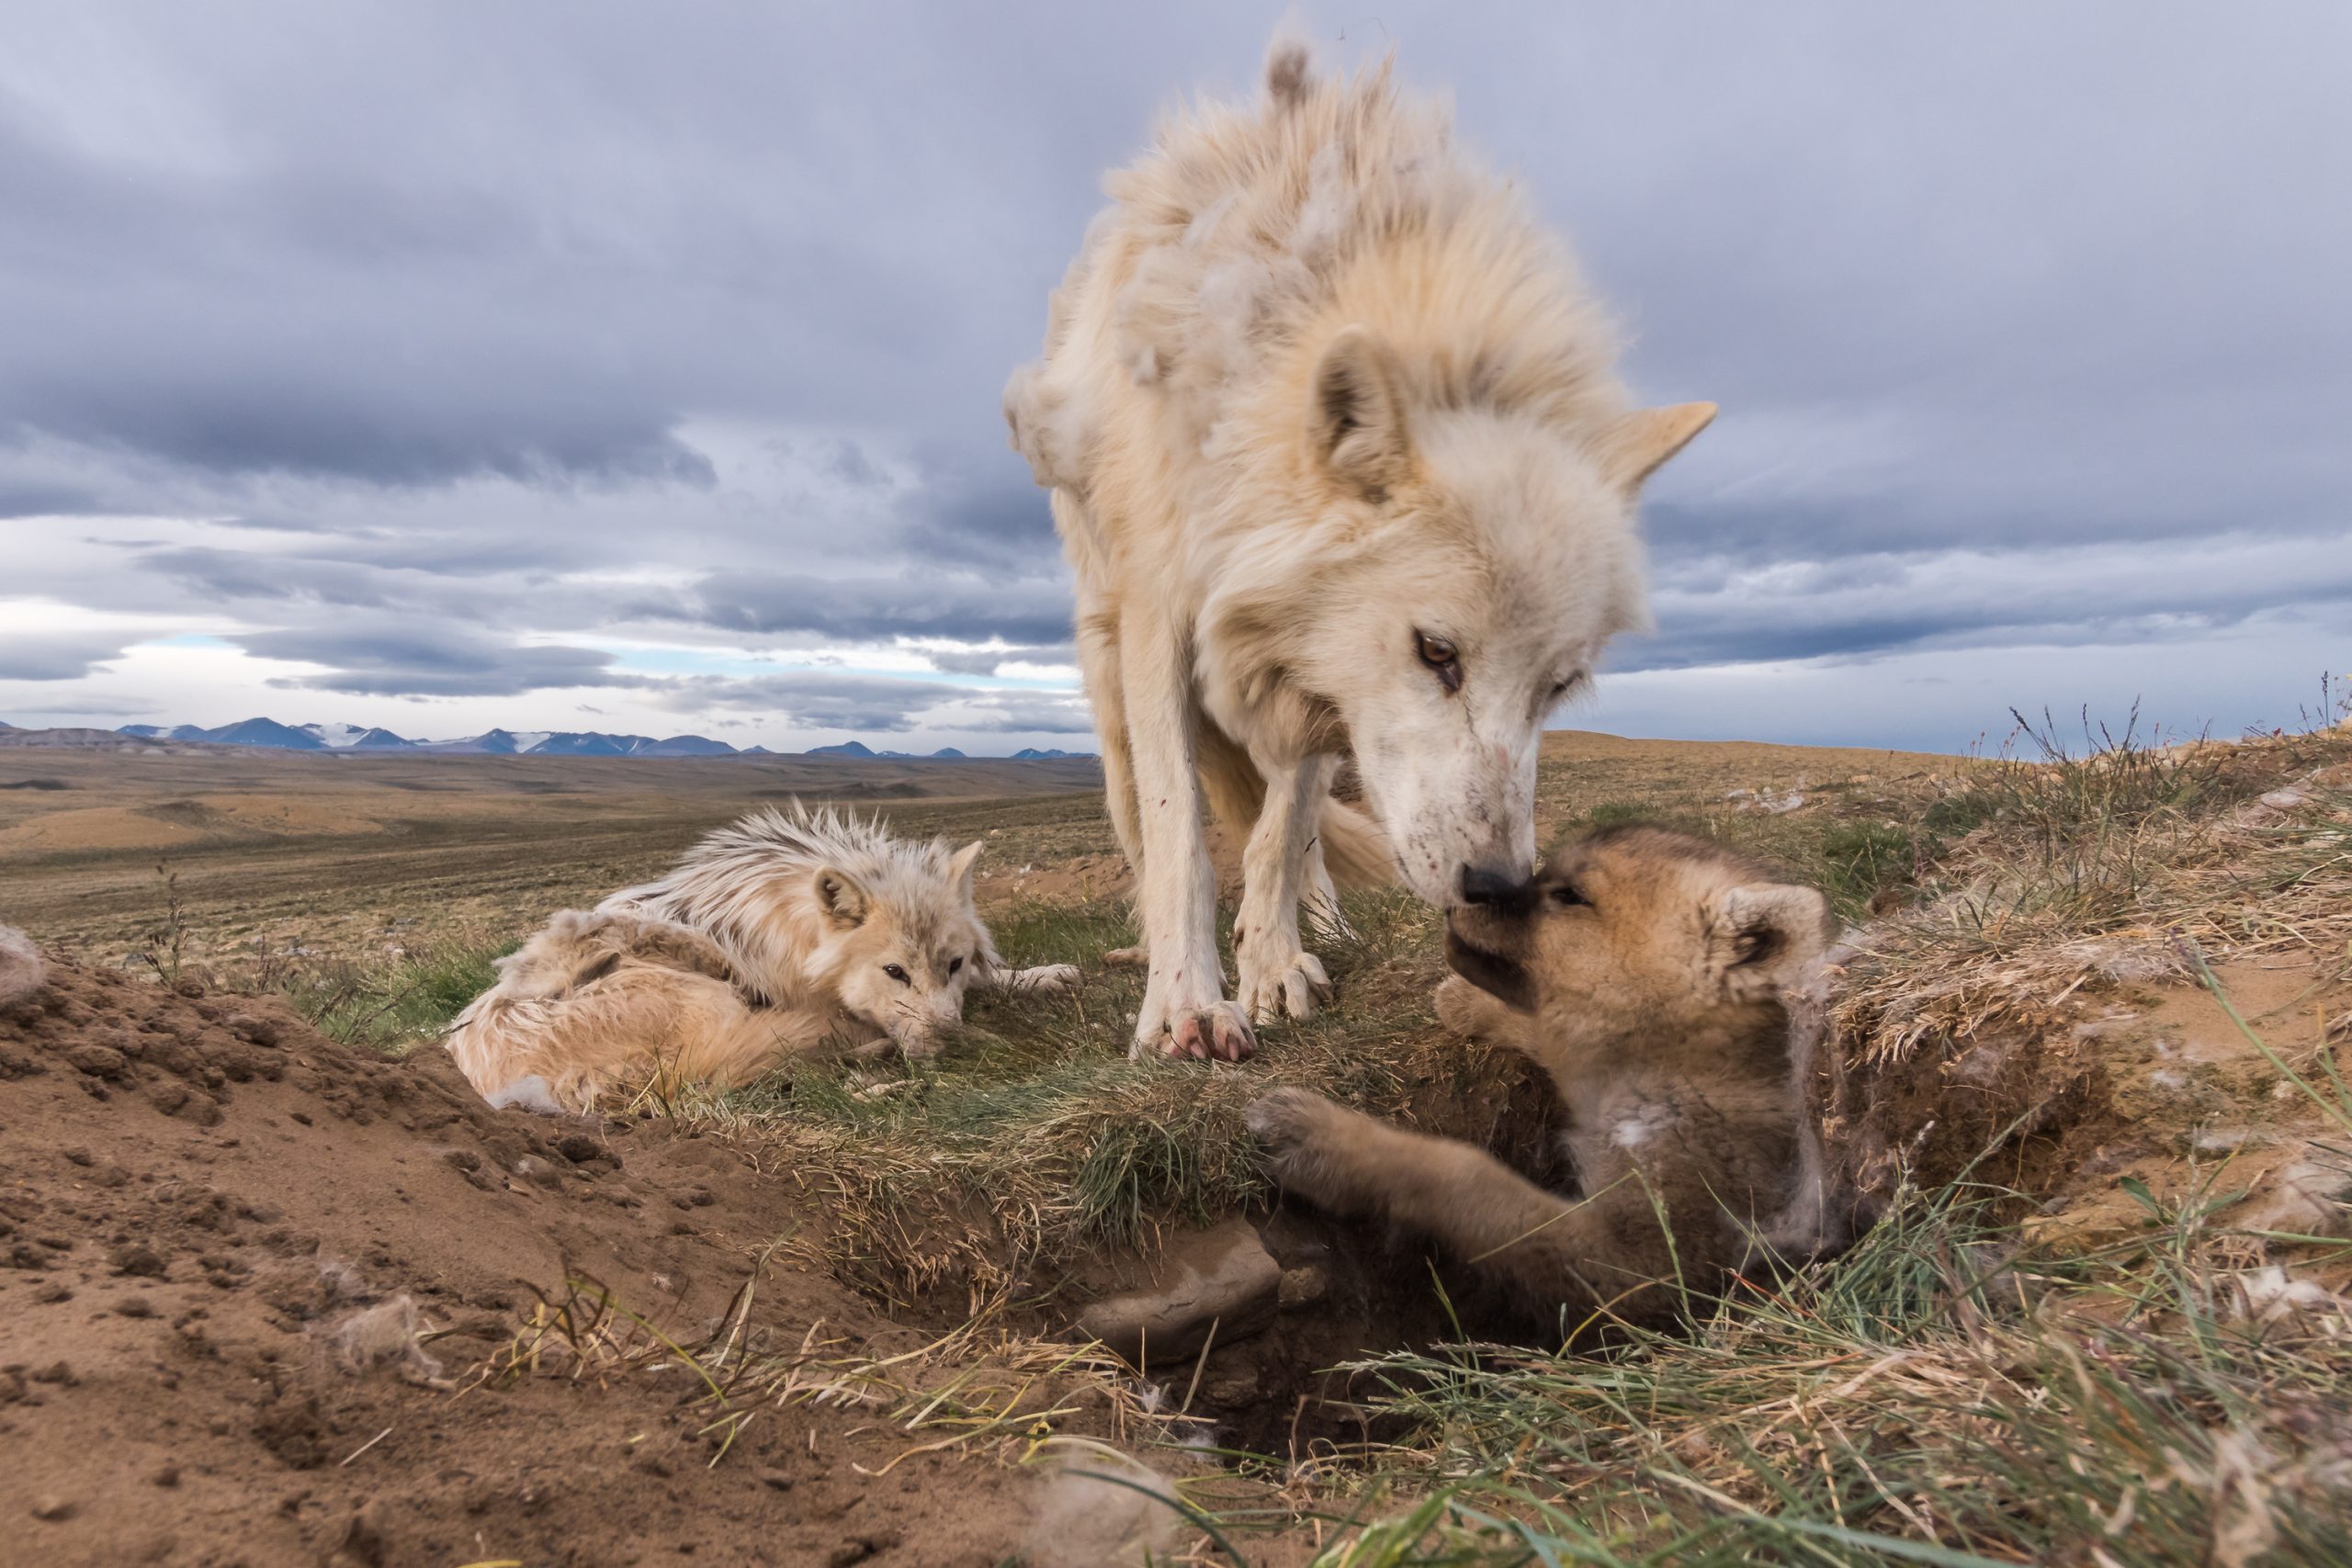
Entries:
{"x":1341,"y":465}
{"x":787,"y":932}
{"x":1650,"y":974}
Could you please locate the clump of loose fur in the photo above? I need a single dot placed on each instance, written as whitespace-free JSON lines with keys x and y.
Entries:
{"x":787,"y":932}
{"x":22,"y":973}
{"x":385,"y":1334}
{"x":1652,"y":976}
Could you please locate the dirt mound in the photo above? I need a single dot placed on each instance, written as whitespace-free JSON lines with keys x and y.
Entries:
{"x":263,"y":1295}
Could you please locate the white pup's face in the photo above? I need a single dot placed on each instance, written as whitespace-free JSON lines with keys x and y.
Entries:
{"x":1489,"y":563}
{"x":900,"y":965}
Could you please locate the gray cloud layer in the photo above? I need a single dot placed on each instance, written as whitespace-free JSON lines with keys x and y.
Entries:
{"x":487,"y":332}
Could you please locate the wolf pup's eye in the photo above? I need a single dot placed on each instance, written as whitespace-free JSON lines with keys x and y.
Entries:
{"x":953,"y":965}
{"x":897,"y":974}
{"x":1441,"y":655}
{"x":1567,"y":895}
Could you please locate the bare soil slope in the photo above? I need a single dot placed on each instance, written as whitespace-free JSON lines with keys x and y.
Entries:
{"x":217,"y":1227}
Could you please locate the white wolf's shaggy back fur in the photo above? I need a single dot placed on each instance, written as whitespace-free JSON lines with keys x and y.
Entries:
{"x":1250,"y":235}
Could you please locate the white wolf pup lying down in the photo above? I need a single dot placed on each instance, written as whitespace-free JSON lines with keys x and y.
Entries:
{"x":788,"y":932}
{"x":1340,"y":463}
{"x":1650,"y":974}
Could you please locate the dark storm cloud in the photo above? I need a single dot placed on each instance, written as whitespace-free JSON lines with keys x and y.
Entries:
{"x":918,"y":603}
{"x":988,"y":662}
{"x":428,"y":661}
{"x":24,"y":656}
{"x":575,"y":319}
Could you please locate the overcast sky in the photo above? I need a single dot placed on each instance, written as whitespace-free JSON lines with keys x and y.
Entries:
{"x":636,"y":368}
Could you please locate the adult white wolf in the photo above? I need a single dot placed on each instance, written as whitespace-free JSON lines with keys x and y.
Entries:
{"x":1340,"y":462}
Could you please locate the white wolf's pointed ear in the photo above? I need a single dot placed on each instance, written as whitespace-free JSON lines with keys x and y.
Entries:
{"x":959,"y":868}
{"x":841,"y":896}
{"x":1764,"y":932}
{"x":1637,"y":445}
{"x":1357,"y":422}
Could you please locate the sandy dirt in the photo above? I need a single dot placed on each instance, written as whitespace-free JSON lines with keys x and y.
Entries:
{"x":216,"y":1226}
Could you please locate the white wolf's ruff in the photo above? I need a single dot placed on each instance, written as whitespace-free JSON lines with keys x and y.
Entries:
{"x":1320,"y":402}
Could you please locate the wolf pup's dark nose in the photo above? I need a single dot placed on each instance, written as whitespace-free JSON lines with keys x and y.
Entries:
{"x":1494,"y":889}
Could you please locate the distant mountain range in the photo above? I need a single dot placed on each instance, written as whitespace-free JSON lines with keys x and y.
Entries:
{"x":517,"y":743}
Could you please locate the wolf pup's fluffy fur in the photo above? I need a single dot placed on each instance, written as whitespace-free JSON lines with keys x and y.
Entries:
{"x":787,"y":932}
{"x":1341,"y":465}
{"x":1649,"y":973}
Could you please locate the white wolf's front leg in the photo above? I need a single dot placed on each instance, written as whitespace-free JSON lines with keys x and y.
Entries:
{"x":1184,"y":1011}
{"x":1278,"y":975}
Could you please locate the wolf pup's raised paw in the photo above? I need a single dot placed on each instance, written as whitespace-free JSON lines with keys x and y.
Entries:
{"x":1304,"y":1137}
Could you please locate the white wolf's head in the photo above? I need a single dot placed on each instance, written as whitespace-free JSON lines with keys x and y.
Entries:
{"x":1468,"y":567}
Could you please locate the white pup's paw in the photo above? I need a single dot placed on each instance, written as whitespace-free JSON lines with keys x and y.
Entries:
{"x":1045,"y":979}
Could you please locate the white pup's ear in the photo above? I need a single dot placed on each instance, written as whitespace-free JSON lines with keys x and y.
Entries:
{"x":959,"y":868}
{"x":1763,"y":933}
{"x":841,"y":896}
{"x":1637,"y":445}
{"x":1357,"y":422}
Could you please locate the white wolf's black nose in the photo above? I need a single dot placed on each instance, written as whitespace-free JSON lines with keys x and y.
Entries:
{"x":1494,"y":889}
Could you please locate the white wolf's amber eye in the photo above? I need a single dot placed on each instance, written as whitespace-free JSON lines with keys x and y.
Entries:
{"x":1442,"y":657}
{"x":897,"y":974}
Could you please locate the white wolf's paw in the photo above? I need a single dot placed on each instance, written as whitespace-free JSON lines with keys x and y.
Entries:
{"x":1302,"y":1134}
{"x":1044,"y":979}
{"x":1203,"y":1030}
{"x":1280,"y":978}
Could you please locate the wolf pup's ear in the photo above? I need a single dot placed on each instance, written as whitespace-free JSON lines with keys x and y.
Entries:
{"x":1634,"y":448}
{"x":839,"y":894}
{"x":1357,"y":422}
{"x":959,"y":868}
{"x":1764,"y":934}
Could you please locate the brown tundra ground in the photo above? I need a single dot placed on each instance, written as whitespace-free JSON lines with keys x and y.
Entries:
{"x":278,"y":1289}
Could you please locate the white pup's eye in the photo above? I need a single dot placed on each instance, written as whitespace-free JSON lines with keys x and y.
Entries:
{"x":897,"y":974}
{"x":953,"y":965}
{"x":1440,"y":655}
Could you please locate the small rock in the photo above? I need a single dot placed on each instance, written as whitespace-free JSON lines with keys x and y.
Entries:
{"x":76,"y":1156}
{"x":537,"y":1171}
{"x":135,"y":1306}
{"x":1222,"y":1277}
{"x":136,"y":1257}
{"x":261,"y":1031}
{"x":55,"y":1510}
{"x":778,"y":1478}
{"x":579,"y":1148}
{"x":169,"y":1475}
{"x":464,"y":1159}
{"x":98,"y":1060}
